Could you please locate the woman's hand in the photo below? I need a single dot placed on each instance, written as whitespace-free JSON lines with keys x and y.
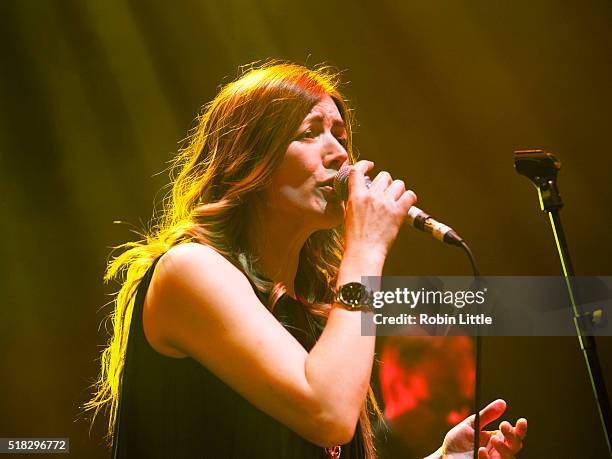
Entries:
{"x":374,"y":215}
{"x":498,"y":444}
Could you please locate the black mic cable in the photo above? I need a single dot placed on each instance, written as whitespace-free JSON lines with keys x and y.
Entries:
{"x":444,"y":233}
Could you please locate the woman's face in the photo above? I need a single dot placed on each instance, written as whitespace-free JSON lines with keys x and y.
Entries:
{"x":302,"y":186}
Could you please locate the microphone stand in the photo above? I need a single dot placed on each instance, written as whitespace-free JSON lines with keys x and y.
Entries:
{"x":478,"y":356}
{"x":541,"y":168}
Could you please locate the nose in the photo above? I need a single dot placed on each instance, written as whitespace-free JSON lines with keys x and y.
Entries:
{"x":335,"y":154}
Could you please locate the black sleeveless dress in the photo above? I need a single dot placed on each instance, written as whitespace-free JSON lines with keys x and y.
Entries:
{"x":176,"y":408}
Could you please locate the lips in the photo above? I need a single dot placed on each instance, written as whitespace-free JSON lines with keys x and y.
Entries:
{"x":329,"y":193}
{"x":327,"y":188}
{"x":329,"y":182}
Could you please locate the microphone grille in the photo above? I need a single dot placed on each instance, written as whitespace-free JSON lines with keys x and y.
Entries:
{"x":341,"y":183}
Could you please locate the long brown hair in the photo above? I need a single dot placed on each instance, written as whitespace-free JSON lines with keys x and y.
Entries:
{"x":240,"y":138}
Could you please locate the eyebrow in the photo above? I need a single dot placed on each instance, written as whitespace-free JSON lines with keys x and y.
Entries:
{"x":336,"y":122}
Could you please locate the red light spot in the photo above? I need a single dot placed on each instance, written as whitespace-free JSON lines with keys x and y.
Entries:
{"x":455,"y":417}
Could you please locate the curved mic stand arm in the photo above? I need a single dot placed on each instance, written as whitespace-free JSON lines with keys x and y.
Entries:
{"x":541,"y":168}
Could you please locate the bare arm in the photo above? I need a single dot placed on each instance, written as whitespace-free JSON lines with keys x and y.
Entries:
{"x":373,"y":220}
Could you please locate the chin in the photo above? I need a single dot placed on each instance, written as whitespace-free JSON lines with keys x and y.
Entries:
{"x":333,"y":216}
{"x":320,"y":214}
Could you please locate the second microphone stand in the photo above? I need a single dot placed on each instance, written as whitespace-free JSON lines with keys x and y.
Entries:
{"x":541,"y":168}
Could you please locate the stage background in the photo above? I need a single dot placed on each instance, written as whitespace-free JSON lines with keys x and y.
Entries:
{"x":97,"y":95}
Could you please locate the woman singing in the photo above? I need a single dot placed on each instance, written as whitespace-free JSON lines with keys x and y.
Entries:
{"x":235,"y":335}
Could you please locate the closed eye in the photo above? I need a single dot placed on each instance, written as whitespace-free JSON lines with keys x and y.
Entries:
{"x":305,"y":135}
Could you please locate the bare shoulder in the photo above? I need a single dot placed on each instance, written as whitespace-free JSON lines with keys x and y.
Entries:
{"x":190,"y":279}
{"x":182,"y":259}
{"x":196,"y":266}
{"x":190,"y":249}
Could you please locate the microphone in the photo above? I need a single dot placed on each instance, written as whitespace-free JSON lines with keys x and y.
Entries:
{"x":415,"y":216}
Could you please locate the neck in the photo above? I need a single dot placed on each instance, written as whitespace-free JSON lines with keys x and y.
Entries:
{"x":276,"y":242}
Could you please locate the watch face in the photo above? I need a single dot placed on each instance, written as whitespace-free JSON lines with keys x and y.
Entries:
{"x":352,"y":294}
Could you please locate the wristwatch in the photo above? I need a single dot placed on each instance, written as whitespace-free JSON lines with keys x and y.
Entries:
{"x":355,"y":296}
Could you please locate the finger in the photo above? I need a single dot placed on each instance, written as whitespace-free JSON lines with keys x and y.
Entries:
{"x":407,"y":200}
{"x":356,"y":177}
{"x":502,"y":448}
{"x":484,"y":437}
{"x":489,"y":413}
{"x":396,"y":189}
{"x":521,"y":427}
{"x":381,"y":182}
{"x":346,"y":163}
{"x":512,"y":438}
{"x":507,"y":429}
{"x":364,"y":166}
{"x":482,"y":453}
